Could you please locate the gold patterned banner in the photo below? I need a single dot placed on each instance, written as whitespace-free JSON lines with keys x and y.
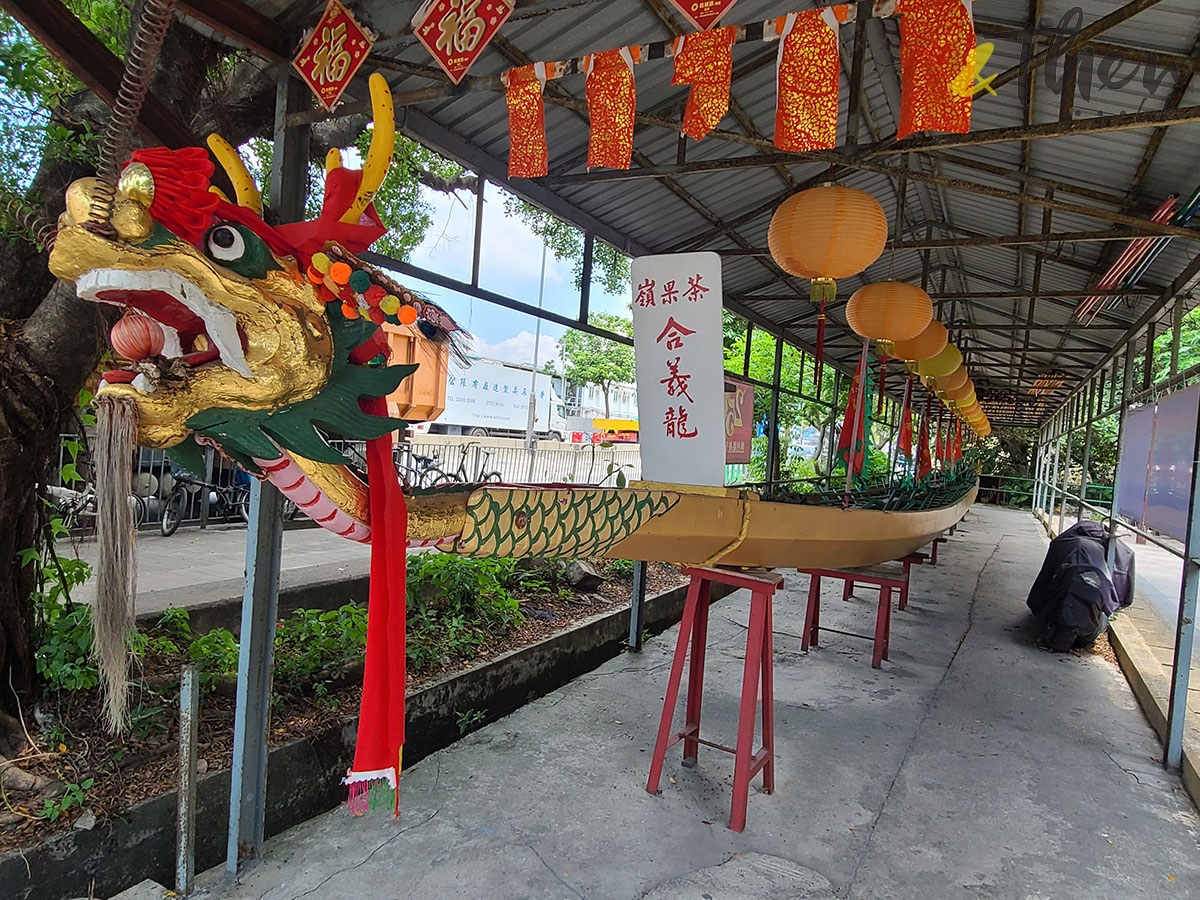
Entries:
{"x":937,"y":66}
{"x":612,"y":102}
{"x":806,"y":111}
{"x":705,"y":61}
{"x":528,"y":156}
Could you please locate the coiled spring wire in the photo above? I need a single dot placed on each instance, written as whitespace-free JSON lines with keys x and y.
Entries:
{"x":140,"y":66}
{"x":29,"y":219}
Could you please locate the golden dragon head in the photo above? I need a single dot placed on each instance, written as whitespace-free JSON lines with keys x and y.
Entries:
{"x":259,"y":340}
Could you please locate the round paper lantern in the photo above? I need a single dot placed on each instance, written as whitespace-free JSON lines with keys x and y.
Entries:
{"x":953,"y":382}
{"x":137,"y":337}
{"x":965,"y":401}
{"x":827,"y":232}
{"x":927,"y":344}
{"x":942,"y":364}
{"x":889,"y":311}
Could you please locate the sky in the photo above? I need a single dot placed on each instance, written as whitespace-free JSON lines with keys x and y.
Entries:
{"x":510,"y":264}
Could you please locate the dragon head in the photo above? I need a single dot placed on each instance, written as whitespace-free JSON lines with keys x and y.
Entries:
{"x":259,"y":340}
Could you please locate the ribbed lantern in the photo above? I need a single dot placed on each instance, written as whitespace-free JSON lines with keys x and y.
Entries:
{"x":822,"y":234}
{"x":889,"y":311}
{"x":827,"y":232}
{"x":941,"y":365}
{"x":926,"y":345}
{"x":966,"y":400}
{"x":949,"y":384}
{"x":974,"y":412}
{"x":137,"y":337}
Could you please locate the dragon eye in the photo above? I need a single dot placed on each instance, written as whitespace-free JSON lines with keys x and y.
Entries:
{"x":226,"y":243}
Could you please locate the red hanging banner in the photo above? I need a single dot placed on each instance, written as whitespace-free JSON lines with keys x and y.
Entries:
{"x":703,"y":14}
{"x":705,"y":61}
{"x":332,"y":53}
{"x":924,"y":464}
{"x":906,"y":428}
{"x":455,"y":32}
{"x":852,"y":443}
{"x":528,"y":156}
{"x":806,"y":107}
{"x":937,"y":66}
{"x":612,"y":101}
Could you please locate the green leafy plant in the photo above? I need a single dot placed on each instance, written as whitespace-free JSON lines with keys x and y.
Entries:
{"x":455,"y":604}
{"x":72,"y":797}
{"x":314,"y":646}
{"x":215,"y":654}
{"x":63,"y":633}
{"x":467,"y":720}
{"x":621,"y":568}
{"x":146,"y":721}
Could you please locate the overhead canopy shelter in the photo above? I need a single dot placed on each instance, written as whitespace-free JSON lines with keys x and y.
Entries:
{"x":1009,"y":226}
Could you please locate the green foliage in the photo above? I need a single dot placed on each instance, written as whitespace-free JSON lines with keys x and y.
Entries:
{"x":610,"y":268}
{"x":62,"y":635}
{"x":315,"y":646}
{"x":455,"y":604}
{"x":590,"y":359}
{"x":72,"y":797}
{"x":621,"y":568}
{"x":215,"y":654}
{"x":467,"y":720}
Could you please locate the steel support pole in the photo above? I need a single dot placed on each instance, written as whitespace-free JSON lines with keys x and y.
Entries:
{"x":773,"y":420}
{"x":264,"y":542}
{"x":1087,"y":450}
{"x":205,"y":494}
{"x":185,"y":823}
{"x":1053,"y":484}
{"x":1066,"y":476}
{"x":1185,"y":626}
{"x":637,"y":606}
{"x":1126,"y":387}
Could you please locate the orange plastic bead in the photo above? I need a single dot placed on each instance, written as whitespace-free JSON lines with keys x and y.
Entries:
{"x":350,"y":312}
{"x":407,"y":315}
{"x":314,"y":276}
{"x":340,"y":272}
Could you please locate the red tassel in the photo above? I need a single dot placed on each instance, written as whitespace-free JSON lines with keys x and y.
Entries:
{"x":820,"y":366}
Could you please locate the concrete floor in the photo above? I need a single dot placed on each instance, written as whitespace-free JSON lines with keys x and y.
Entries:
{"x":972,"y":765}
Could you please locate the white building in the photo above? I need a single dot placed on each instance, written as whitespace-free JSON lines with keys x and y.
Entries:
{"x":587,"y":401}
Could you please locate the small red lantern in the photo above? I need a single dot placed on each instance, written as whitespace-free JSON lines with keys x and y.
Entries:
{"x":137,"y":337}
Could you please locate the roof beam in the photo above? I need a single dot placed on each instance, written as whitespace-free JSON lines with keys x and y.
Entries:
{"x":242,"y":24}
{"x":86,"y":57}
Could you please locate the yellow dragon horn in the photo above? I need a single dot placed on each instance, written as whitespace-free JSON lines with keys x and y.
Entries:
{"x":379,"y":156}
{"x":243,"y":184}
{"x":333,"y":160}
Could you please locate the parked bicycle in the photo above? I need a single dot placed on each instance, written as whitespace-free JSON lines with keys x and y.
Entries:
{"x":480,"y":475}
{"x":416,"y":470}
{"x":78,"y":508}
{"x":225,"y":501}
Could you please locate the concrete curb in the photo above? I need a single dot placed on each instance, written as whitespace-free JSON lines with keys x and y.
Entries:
{"x":1152,"y":689}
{"x":303,"y":775}
{"x":1149,"y":685}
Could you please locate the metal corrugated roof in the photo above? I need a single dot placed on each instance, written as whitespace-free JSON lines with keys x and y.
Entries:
{"x":664,"y":215}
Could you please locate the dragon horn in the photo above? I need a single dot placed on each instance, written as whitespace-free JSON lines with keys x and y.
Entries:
{"x":243,"y":184}
{"x":333,"y":160}
{"x":379,"y":156}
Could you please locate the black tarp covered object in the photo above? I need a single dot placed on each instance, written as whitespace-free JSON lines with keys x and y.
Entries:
{"x":1075,"y":592}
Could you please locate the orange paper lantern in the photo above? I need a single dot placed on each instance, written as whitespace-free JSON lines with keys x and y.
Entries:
{"x":927,"y":344}
{"x":961,"y":391}
{"x":889,"y":311}
{"x":966,"y":400}
{"x":953,"y":382}
{"x":827,"y":232}
{"x":941,"y":365}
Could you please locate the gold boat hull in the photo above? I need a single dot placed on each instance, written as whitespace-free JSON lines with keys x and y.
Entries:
{"x":671,"y":523}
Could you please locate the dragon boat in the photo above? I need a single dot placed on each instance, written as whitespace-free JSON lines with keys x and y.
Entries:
{"x":263,"y":341}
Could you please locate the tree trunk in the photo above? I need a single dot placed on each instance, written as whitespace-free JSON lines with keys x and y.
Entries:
{"x":604,"y":390}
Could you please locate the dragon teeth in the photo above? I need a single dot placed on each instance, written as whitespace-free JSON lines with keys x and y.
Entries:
{"x":219,"y":322}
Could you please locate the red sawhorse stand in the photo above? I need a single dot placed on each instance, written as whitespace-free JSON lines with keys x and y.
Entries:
{"x":758,"y":668}
{"x":887,"y":579}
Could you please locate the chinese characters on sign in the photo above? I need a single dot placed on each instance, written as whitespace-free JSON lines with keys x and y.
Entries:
{"x":739,"y":421}
{"x":329,"y":57}
{"x":455,"y":32}
{"x":677,"y":340}
{"x":703,"y":13}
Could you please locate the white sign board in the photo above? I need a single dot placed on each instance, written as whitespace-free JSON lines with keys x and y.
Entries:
{"x":680,"y":367}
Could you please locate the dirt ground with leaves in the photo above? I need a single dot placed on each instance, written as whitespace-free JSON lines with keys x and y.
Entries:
{"x":60,"y":768}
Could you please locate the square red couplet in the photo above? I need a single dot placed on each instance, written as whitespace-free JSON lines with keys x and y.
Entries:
{"x":333,"y":53}
{"x":703,"y":14}
{"x":455,"y":32}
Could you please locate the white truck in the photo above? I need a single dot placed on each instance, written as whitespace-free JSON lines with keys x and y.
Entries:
{"x":489,"y":398}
